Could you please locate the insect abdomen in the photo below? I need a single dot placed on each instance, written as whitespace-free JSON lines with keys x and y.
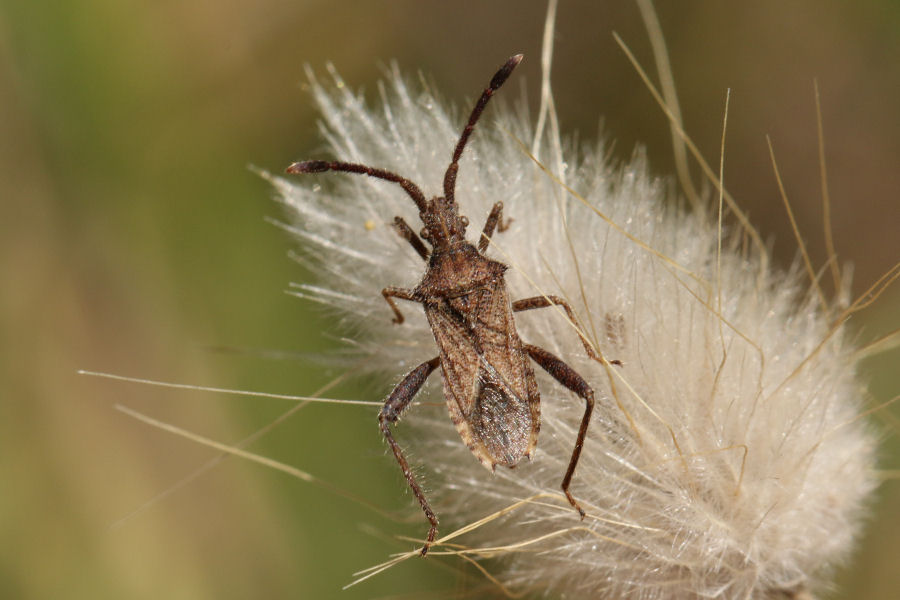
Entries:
{"x":502,"y":421}
{"x":489,"y":385}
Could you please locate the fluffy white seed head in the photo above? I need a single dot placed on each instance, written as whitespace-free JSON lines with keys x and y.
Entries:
{"x":725,"y":458}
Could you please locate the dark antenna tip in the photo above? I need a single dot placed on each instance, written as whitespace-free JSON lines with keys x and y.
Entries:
{"x":307,"y":166}
{"x":505,"y":71}
{"x":496,"y":81}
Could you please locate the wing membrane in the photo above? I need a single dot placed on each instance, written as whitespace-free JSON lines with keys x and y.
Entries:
{"x":489,"y":385}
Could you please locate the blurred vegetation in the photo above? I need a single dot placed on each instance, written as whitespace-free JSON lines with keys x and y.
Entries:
{"x":133,"y":240}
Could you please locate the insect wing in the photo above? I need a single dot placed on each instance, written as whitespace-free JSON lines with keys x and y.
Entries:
{"x":489,"y":385}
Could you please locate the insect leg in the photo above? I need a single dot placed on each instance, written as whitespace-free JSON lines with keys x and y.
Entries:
{"x":403,"y":294}
{"x":544,"y":302}
{"x":494,"y":221}
{"x":390,"y":413}
{"x":567,"y":376}
{"x":406,"y":232}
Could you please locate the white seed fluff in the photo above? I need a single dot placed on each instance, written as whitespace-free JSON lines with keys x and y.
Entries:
{"x":725,"y":458}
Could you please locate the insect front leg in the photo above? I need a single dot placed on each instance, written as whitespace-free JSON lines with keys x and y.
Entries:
{"x":390,"y":413}
{"x":567,"y":376}
{"x":494,"y":221}
{"x":407,"y":233}
{"x":544,"y":302}
{"x":403,"y":294}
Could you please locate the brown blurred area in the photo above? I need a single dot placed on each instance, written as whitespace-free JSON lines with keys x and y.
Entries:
{"x":133,"y":240}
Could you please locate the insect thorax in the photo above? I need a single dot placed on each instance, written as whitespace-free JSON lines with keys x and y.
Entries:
{"x":459,"y":270}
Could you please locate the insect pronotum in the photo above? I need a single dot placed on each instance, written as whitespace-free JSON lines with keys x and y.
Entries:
{"x":489,"y":384}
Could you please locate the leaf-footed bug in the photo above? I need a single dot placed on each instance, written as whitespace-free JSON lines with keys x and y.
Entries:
{"x":488,"y":382}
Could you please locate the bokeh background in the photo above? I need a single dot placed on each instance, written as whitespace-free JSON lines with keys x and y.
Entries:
{"x":133,"y":239}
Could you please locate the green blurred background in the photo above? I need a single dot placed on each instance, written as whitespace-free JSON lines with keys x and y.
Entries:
{"x":133,"y":240}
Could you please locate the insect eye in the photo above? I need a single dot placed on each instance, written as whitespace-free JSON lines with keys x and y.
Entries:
{"x":425,"y":234}
{"x":464,"y":221}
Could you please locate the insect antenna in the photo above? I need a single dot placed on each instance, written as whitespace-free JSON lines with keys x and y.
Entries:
{"x":320,"y":166}
{"x":498,"y":80}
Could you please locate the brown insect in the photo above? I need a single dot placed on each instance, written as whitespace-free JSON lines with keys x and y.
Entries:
{"x":489,"y":384}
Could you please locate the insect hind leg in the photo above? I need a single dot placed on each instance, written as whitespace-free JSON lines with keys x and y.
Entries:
{"x":544,"y":302}
{"x":567,"y":376}
{"x":390,"y":413}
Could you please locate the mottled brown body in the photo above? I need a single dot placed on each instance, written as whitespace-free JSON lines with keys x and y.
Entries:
{"x":489,"y":385}
{"x":488,"y":381}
